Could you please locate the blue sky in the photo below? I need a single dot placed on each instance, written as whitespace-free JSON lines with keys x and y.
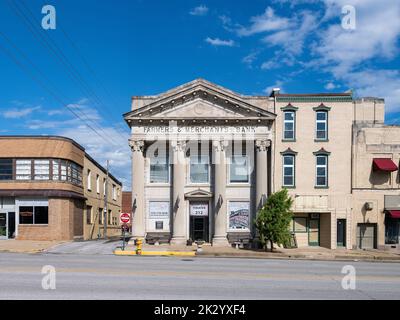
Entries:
{"x":103,"y":52}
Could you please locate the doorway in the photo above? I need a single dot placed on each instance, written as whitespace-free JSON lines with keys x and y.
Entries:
{"x":199,"y":221}
{"x":313,"y":230}
{"x":7,"y":225}
{"x":366,"y":235}
{"x":341,"y":232}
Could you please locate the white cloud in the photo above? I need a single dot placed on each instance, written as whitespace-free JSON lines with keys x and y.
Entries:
{"x":218,"y":42}
{"x":268,"y":21}
{"x":250,"y":58}
{"x":330,"y":86}
{"x":199,"y":11}
{"x":19,"y":112}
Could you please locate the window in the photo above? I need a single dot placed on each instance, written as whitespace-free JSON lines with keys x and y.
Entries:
{"x":299,"y":224}
{"x":34,"y":215}
{"x":239,"y":215}
{"x":392,"y":230}
{"x":56,"y":170}
{"x":289,"y":125}
{"x":6,"y":169}
{"x":289,"y":170}
{"x":89,"y":180}
{"x":76,"y":173}
{"x":239,"y":169}
{"x":322,"y":125}
{"x":321,"y":171}
{"x":104,"y":186}
{"x":109,"y":218}
{"x":199,"y":169}
{"x":89,"y":210}
{"x":114,"y":192}
{"x":159,"y":168}
{"x":97,"y":183}
{"x":63,"y":170}
{"x":159,"y":225}
{"x":23,"y":170}
{"x":41,"y":169}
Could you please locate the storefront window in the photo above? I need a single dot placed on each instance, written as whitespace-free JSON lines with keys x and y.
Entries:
{"x":33,"y":215}
{"x":199,"y":166}
{"x":392,"y":230}
{"x":239,"y":215}
{"x":299,"y":224}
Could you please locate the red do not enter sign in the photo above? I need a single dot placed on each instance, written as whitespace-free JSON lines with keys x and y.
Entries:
{"x":125,"y":217}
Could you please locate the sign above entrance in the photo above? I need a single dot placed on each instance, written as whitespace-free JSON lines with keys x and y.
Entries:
{"x":199,"y":209}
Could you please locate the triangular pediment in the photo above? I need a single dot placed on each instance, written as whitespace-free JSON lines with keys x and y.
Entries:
{"x":198,"y":99}
{"x":199,"y":193}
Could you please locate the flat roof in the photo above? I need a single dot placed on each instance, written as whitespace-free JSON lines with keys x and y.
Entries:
{"x":55,"y":137}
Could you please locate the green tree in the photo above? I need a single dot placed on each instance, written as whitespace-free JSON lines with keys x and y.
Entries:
{"x":274,"y":218}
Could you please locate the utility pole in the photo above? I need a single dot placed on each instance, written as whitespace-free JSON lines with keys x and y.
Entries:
{"x":106,"y":203}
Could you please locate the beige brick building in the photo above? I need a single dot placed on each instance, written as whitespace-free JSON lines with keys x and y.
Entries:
{"x":205,"y":158}
{"x":44,"y":193}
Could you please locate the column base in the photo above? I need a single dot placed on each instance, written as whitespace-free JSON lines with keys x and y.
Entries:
{"x":220,"y":241}
{"x":178,"y":241}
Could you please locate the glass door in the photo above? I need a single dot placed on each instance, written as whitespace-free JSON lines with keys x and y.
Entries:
{"x":341,"y":233}
{"x":3,"y":226}
{"x":313,"y":232}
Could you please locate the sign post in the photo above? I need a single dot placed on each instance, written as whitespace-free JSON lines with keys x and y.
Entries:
{"x":124,"y":219}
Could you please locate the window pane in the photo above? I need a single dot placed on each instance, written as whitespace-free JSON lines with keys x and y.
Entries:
{"x":321,"y":126}
{"x":239,"y":169}
{"x":199,"y":169}
{"x":321,"y":171}
{"x":63,"y":170}
{"x":41,"y":215}
{"x":321,"y":181}
{"x":288,"y":171}
{"x":289,"y":126}
{"x":289,"y":115}
{"x":321,"y":134}
{"x":159,"y":170}
{"x":42,"y":169}
{"x":321,"y":160}
{"x":288,"y":160}
{"x":89,"y":215}
{"x":288,"y":181}
{"x":289,"y":135}
{"x":23,"y":170}
{"x":321,"y":115}
{"x":300,"y":224}
{"x":26,"y":215}
{"x":6,"y":169}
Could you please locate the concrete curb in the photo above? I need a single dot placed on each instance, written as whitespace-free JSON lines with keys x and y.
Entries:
{"x":155,"y":253}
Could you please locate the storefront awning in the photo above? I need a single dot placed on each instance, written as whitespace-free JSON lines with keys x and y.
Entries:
{"x":384,"y":164}
{"x":394,"y":213}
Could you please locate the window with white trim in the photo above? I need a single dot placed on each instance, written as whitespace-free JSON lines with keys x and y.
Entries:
{"x":23,"y":169}
{"x":89,"y":179}
{"x":321,"y":179}
{"x":289,"y":125}
{"x":321,"y":125}
{"x":98,"y":184}
{"x":288,"y":170}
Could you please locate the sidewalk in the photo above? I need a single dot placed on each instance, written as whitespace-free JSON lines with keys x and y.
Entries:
{"x":314,"y":253}
{"x":26,"y":246}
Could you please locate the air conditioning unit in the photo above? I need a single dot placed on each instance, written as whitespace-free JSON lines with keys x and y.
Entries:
{"x":369,"y":206}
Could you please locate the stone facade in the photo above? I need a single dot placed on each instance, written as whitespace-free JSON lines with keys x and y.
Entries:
{"x":303,"y":142}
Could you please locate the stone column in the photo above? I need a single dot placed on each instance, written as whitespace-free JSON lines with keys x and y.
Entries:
{"x":138,"y":216}
{"x":262,"y":146}
{"x":220,"y":208}
{"x":179,"y":224}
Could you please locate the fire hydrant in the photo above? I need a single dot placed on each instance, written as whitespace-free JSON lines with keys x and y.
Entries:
{"x":139,"y":243}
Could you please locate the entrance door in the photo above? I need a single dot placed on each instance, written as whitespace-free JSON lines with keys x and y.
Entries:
{"x":341,"y":233}
{"x":3,"y":226}
{"x":366,"y":235}
{"x":199,"y":228}
{"x":199,"y":221}
{"x":313,"y":232}
{"x":11,"y":225}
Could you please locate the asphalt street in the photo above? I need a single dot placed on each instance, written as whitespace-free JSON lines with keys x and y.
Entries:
{"x":115,"y":277}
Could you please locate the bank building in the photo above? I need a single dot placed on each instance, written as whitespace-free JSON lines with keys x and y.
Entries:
{"x":205,"y":159}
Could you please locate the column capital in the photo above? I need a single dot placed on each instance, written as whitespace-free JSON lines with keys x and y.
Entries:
{"x":136,"y":145}
{"x":220,"y":145}
{"x":178,"y":145}
{"x":262,"y":144}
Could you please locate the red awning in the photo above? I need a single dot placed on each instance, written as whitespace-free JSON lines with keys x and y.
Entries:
{"x":384,"y":164}
{"x":394,"y":213}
